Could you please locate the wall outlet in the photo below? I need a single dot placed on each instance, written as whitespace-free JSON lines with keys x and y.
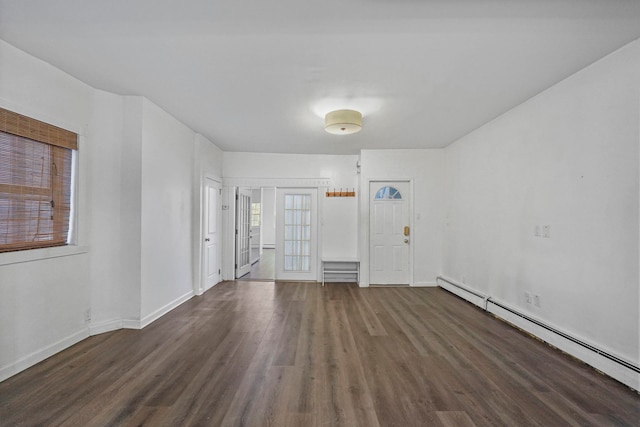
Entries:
{"x":527,"y":297}
{"x":546,"y":231}
{"x":536,"y":231}
{"x":536,"y":300}
{"x":87,"y":315}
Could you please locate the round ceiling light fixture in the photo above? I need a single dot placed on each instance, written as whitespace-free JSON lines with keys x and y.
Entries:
{"x":343,"y":122}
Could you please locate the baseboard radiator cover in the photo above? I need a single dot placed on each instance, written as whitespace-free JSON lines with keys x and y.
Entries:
{"x":612,"y":365}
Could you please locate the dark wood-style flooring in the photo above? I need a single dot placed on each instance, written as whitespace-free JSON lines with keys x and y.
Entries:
{"x":298,"y":354}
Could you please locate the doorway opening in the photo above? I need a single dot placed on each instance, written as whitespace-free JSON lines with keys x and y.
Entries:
{"x":260,"y":231}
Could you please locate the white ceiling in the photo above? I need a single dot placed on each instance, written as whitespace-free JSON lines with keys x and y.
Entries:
{"x":258,"y":75}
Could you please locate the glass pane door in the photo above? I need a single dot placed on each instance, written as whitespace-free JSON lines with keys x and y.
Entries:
{"x":296,"y":234}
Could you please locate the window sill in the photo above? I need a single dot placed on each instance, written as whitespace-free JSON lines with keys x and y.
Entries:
{"x":40,"y":254}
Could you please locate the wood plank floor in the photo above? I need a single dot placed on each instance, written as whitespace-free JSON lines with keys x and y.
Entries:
{"x":298,"y":354}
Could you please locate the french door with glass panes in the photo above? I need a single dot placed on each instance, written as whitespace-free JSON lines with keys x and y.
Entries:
{"x":296,"y":234}
{"x":243,"y":231}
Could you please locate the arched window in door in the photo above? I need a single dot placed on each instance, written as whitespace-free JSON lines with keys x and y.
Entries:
{"x":388,"y":193}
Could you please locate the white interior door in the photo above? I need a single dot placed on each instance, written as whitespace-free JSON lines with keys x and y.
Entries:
{"x":389,"y":233}
{"x":212,"y":257}
{"x":296,"y":234}
{"x":243,"y":231}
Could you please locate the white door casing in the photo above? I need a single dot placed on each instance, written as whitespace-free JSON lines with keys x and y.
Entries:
{"x":389,"y":233}
{"x":297,"y":234}
{"x":243,"y":231}
{"x":212,"y":225}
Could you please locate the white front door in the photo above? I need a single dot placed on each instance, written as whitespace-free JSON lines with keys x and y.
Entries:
{"x":211,"y":227}
{"x":389,"y":233}
{"x":296,"y":234}
{"x":243,"y":231}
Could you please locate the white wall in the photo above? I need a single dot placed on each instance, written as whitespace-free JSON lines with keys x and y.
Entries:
{"x":104,"y":160}
{"x":567,"y":158}
{"x":131,"y":211}
{"x":136,"y":216}
{"x":43,"y":300}
{"x":425,"y":169}
{"x":167,"y":179}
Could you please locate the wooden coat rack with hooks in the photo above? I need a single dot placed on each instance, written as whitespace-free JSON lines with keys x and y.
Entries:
{"x":341,"y":193}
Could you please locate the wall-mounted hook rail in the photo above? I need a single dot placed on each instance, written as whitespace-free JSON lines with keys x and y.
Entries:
{"x":342,"y":193}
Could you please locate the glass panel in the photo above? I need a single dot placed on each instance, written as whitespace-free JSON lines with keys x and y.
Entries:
{"x":388,"y":193}
{"x":297,"y":233}
{"x":255,"y":213}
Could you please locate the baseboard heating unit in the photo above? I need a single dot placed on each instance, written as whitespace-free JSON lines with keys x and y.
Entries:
{"x":612,"y":365}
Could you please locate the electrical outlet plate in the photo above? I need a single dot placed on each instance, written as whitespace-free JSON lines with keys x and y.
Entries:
{"x":536,"y":300}
{"x":546,"y":231}
{"x":527,"y":297}
{"x":536,"y":231}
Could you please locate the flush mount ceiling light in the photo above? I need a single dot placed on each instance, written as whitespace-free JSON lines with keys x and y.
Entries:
{"x":343,"y":122}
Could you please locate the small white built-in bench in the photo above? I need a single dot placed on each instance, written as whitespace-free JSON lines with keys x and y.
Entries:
{"x":340,"y":270}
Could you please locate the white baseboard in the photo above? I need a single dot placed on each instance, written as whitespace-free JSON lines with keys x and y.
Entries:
{"x":41,"y":354}
{"x":424,"y":284}
{"x":468,"y":296}
{"x":105,"y":326}
{"x":147,"y":320}
{"x":92,"y":329}
{"x":591,"y":358}
{"x":595,"y":359}
{"x":131,"y":324}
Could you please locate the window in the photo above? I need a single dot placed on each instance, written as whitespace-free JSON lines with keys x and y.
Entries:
{"x":35,"y":183}
{"x":388,"y":193}
{"x":255,"y":214}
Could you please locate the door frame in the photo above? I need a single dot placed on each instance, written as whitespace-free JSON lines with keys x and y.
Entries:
{"x":199,"y":273}
{"x":365,"y":227}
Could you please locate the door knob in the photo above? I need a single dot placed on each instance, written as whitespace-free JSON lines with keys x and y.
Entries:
{"x":406,"y":240}
{"x":207,"y":239}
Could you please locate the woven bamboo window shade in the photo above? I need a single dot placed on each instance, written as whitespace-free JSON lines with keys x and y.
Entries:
{"x":35,"y":182}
